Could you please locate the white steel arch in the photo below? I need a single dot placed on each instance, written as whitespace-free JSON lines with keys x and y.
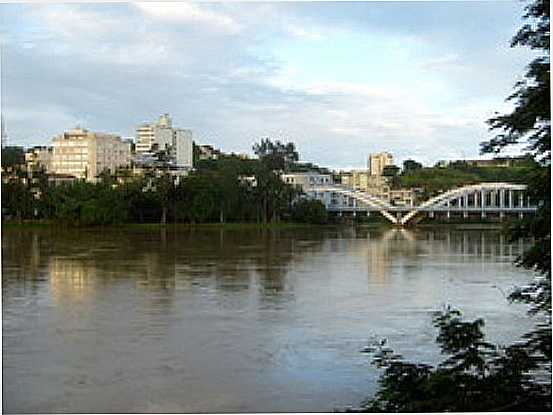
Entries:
{"x":371,"y":201}
{"x":440,"y":202}
{"x":453,"y":194}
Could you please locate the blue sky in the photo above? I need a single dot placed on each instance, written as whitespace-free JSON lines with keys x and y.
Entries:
{"x":339,"y":79}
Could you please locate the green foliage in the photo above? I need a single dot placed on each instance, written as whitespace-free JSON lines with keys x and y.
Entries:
{"x":12,"y":156}
{"x":17,"y":199}
{"x":530,"y":123}
{"x":276,"y":156}
{"x":434,"y":180}
{"x":390,"y":171}
{"x":309,"y":211}
{"x":474,"y":376}
{"x":410,"y":165}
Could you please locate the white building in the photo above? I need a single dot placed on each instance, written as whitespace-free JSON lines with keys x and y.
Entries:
{"x":376,"y":163}
{"x":307,"y":180}
{"x":84,"y":154}
{"x":161,"y":136}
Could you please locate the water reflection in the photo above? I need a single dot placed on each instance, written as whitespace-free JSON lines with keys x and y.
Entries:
{"x":208,"y":320}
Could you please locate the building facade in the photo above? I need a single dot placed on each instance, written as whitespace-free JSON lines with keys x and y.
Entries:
{"x":305,"y":181}
{"x":376,"y":163}
{"x":184,"y":148}
{"x":362,"y":180}
{"x":38,"y":158}
{"x":160,"y":136}
{"x":151,"y":137}
{"x":84,"y":154}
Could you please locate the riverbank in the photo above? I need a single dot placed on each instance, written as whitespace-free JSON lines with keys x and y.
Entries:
{"x":463,"y":226}
{"x":247,"y":225}
{"x":225,"y":226}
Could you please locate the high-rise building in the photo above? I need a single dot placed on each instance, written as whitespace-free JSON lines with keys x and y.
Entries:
{"x":161,"y":136}
{"x":376,"y":163}
{"x":184,"y":148}
{"x":85,"y":154}
{"x":156,"y":136}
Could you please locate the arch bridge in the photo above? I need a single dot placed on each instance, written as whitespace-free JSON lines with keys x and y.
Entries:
{"x":482,"y":198}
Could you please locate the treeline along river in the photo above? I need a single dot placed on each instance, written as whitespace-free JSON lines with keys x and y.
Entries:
{"x":213,"y":320}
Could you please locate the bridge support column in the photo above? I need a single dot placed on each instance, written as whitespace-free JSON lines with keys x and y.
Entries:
{"x":510,"y":199}
{"x":448,"y":214}
{"x":354,"y":208}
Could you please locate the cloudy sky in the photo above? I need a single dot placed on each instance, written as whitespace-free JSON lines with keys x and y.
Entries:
{"x":339,"y":79}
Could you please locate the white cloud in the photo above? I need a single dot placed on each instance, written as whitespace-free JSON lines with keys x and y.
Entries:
{"x":448,"y":61}
{"x":302,"y":32}
{"x":190,"y":12}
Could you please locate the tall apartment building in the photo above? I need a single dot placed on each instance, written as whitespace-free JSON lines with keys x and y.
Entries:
{"x":184,"y":147}
{"x":161,"y":136}
{"x":85,"y":154}
{"x":376,"y":163}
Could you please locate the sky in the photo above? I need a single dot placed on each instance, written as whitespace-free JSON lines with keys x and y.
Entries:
{"x":339,"y":79}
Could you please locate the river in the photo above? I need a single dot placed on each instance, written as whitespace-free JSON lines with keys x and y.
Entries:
{"x":212,"y":320}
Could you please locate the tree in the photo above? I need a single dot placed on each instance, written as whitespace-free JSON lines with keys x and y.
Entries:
{"x":411,"y":165}
{"x":474,"y":376}
{"x":390,"y":171}
{"x":12,"y":156}
{"x":276,"y":156}
{"x":478,"y":376}
{"x":530,"y":123}
{"x":165,"y":191}
{"x":309,"y":211}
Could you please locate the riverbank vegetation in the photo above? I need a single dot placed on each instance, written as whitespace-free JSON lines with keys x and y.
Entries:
{"x":434,"y":180}
{"x":476,"y":375}
{"x":229,"y":189}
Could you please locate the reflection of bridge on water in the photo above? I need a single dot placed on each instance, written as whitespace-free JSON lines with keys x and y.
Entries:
{"x":401,"y":247}
{"x":482,"y":199}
